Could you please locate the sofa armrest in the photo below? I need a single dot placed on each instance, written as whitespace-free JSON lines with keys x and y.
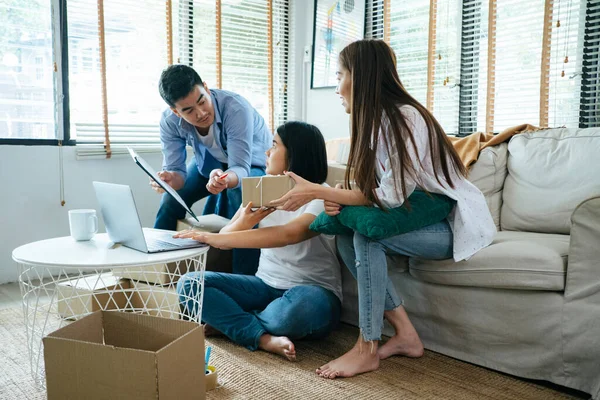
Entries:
{"x":581,"y":307}
{"x":583,"y":272}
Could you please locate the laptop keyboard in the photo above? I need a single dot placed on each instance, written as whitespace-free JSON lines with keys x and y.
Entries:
{"x":157,"y":244}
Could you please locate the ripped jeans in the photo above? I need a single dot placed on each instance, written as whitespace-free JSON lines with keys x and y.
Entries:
{"x":365,"y":259}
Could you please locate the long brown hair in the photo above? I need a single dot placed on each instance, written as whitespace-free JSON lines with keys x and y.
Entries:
{"x":378,"y":92}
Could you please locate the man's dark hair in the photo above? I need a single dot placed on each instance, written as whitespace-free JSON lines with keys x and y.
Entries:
{"x":306,"y":152}
{"x":176,"y":82}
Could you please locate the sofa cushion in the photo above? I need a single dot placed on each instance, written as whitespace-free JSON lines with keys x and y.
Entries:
{"x":549,"y":173}
{"x":514,"y":260}
{"x":488,"y":175}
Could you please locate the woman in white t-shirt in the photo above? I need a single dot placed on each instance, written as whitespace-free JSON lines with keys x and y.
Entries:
{"x":397,"y":146}
{"x":296,"y":292}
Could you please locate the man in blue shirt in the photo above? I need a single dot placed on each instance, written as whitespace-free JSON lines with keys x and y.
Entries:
{"x":228,"y":136}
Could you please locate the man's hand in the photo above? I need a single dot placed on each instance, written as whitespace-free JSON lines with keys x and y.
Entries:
{"x":166,"y":176}
{"x":332,"y":208}
{"x":217,"y":181}
{"x":249,"y":218}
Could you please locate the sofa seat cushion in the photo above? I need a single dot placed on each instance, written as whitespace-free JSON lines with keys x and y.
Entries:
{"x":514,"y":260}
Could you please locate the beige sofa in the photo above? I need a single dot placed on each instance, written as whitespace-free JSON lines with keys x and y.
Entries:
{"x":529,"y":304}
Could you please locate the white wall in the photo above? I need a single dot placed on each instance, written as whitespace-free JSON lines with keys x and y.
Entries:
{"x":30,"y":206}
{"x":322,"y":107}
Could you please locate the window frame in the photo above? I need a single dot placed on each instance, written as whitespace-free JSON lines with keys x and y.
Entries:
{"x":61,"y":83}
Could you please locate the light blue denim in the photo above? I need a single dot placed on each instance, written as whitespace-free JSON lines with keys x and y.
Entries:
{"x":244,"y":307}
{"x":365,"y":258}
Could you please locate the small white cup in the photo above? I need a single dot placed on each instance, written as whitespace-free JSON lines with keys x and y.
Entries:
{"x":83,"y":224}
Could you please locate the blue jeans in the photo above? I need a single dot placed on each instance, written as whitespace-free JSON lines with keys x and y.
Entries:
{"x":244,"y":307}
{"x":365,"y":258}
{"x":245,"y":261}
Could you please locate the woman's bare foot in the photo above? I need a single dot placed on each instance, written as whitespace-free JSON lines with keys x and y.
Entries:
{"x":406,"y":341}
{"x":361,"y":358}
{"x":408,"y":346}
{"x":278,"y":345}
{"x":210,"y":331}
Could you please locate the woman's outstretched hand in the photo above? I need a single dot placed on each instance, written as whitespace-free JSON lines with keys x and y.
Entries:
{"x":300,"y":195}
{"x":249,"y":218}
{"x":211,"y":239}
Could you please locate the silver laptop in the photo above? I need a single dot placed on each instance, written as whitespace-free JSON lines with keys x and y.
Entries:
{"x":123,"y":224}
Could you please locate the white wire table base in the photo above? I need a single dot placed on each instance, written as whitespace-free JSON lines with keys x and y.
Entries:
{"x":54,"y":297}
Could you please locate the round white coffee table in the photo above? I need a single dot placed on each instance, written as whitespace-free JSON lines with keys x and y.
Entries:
{"x":62,"y":280}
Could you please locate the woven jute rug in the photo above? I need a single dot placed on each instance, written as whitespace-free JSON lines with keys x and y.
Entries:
{"x":259,"y":375}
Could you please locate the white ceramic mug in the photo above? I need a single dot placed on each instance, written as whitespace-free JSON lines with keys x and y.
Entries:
{"x":83,"y":224}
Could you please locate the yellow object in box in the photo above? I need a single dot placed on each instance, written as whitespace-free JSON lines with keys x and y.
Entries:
{"x":86,"y":294}
{"x":211,"y":378}
{"x":160,"y":301}
{"x":264,"y":189}
{"x":109,"y":355}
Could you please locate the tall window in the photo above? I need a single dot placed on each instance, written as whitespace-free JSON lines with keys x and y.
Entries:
{"x":124,"y":51}
{"x":486,"y":65}
{"x":117,"y":55}
{"x":26,"y":70}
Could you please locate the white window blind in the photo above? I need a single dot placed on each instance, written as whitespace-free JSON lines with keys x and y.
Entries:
{"x":27,"y":108}
{"x":518,"y":45}
{"x":409,"y":33}
{"x":238,"y":45}
{"x":245,"y":51}
{"x":446,"y":61}
{"x":406,"y":27}
{"x":565,"y":78}
{"x":135,"y":53}
{"x":242,"y":46}
{"x":283,"y":63}
{"x":526,"y":87}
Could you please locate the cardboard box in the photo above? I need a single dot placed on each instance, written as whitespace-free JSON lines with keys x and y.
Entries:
{"x":160,"y":301}
{"x":117,"y":355}
{"x":338,"y":149}
{"x":262,"y":190}
{"x":162,"y":274}
{"x":79,"y":297}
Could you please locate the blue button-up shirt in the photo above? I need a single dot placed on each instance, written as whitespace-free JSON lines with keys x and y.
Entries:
{"x":239,"y":130}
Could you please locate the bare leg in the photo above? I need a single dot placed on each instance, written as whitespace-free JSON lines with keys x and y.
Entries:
{"x":278,"y":345}
{"x":361,"y":358}
{"x":406,"y":341}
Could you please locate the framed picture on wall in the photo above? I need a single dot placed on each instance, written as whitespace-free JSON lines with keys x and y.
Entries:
{"x":337,"y":23}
